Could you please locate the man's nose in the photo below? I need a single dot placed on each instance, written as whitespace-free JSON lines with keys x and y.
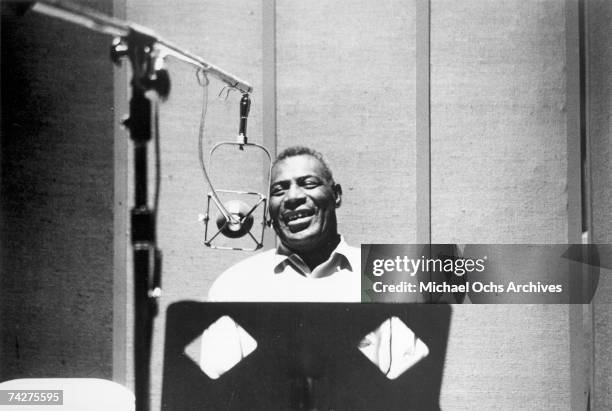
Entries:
{"x":295,"y":195}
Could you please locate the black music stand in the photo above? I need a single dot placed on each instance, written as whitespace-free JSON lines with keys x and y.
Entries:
{"x":298,"y":340}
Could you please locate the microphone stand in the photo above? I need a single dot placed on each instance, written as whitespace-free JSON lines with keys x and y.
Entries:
{"x":147,"y":257}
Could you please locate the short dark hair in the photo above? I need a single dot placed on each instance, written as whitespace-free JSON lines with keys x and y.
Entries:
{"x":294,"y":151}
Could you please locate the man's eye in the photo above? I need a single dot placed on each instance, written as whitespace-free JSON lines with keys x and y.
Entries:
{"x":276,"y":191}
{"x":310,"y":184}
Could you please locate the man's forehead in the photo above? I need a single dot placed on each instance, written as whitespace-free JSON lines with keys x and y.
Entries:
{"x":298,"y":166}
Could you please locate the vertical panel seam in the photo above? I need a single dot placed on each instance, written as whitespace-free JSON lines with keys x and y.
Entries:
{"x":574,"y":130}
{"x":572,"y":58}
{"x":423,"y":121}
{"x":269,"y":108}
{"x":586,"y":178}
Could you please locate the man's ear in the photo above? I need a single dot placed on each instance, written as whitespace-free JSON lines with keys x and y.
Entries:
{"x":337,"y":194}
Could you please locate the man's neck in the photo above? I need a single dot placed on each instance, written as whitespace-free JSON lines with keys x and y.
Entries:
{"x":315,"y":257}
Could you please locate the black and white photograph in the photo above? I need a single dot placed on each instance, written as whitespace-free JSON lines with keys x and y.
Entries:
{"x":306,"y":206}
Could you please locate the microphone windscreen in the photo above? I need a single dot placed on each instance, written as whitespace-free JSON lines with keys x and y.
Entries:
{"x":241,"y":223}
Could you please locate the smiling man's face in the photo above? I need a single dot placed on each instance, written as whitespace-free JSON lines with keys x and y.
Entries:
{"x":303,"y":203}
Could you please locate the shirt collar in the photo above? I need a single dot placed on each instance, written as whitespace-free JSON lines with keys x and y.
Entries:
{"x":338,"y":259}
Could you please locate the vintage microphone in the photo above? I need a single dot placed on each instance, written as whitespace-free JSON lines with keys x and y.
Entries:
{"x":236,"y":218}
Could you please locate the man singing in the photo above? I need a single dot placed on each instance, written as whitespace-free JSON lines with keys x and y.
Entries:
{"x":312,"y":262}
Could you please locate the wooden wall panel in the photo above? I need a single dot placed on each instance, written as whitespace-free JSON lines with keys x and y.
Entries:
{"x":346,"y":87}
{"x":507,"y":358}
{"x":227,"y":34}
{"x":499,"y":159}
{"x":498,"y":122}
{"x":56,"y":272}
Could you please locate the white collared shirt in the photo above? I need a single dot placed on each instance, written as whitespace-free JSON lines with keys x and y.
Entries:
{"x":280,"y":276}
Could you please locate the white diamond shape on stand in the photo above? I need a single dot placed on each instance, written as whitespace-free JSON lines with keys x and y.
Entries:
{"x":220,"y":347}
{"x":393,"y":348}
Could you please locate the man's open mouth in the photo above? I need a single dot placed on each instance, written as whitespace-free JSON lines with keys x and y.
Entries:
{"x":296,"y":217}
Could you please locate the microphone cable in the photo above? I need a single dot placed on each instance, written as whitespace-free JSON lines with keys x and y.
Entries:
{"x":204,"y":83}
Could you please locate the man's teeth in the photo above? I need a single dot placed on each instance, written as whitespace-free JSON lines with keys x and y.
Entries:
{"x":295,"y":216}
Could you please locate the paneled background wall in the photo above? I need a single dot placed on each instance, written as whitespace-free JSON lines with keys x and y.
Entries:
{"x":229,"y":35}
{"x":56,"y":259}
{"x":500,"y":160}
{"x":340,"y":77}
